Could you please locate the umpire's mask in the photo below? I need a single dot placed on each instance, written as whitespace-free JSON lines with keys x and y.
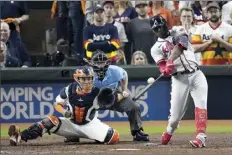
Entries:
{"x":100,"y":64}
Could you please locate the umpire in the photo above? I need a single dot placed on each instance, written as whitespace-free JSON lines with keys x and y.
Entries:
{"x":112,"y":76}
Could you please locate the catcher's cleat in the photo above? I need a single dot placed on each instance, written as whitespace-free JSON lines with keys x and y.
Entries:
{"x":165,"y":138}
{"x":72,"y":140}
{"x":14,"y":134}
{"x":199,"y":141}
{"x":140,"y":136}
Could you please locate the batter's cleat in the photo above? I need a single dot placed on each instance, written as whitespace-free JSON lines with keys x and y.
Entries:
{"x":165,"y":138}
{"x":72,"y":140}
{"x":14,"y":134}
{"x":199,"y":141}
{"x":140,"y":136}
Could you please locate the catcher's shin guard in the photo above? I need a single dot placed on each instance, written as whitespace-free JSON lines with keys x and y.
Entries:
{"x":201,"y":117}
{"x":39,"y":128}
{"x":112,"y":137}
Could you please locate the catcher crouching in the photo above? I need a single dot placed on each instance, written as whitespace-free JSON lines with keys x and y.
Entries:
{"x":80,"y":118}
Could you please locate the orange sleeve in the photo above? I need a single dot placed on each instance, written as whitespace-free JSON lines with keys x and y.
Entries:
{"x":53,"y":9}
{"x":169,"y":19}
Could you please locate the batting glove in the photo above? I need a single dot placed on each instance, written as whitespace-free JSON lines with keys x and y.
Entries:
{"x":169,"y":68}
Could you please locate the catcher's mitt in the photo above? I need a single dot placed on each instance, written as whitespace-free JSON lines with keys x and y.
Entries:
{"x":106,"y":98}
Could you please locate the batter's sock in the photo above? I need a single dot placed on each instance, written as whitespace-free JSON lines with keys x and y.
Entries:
{"x":201,"y":117}
{"x":170,"y":130}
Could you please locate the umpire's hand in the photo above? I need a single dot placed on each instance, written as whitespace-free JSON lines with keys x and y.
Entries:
{"x":125,"y":93}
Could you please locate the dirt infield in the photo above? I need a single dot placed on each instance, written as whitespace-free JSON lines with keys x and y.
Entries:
{"x":216,"y":144}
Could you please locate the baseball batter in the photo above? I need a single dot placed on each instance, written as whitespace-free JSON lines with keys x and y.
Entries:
{"x":80,"y":118}
{"x":175,"y":57}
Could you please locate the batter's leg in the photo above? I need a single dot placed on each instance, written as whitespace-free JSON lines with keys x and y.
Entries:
{"x":133,"y":111}
{"x":199,"y":92}
{"x":179,"y":96}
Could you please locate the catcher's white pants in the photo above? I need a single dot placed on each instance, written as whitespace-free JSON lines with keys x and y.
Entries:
{"x":95,"y":129}
{"x":182,"y":85}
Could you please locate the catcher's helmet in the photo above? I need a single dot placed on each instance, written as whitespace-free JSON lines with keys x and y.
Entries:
{"x":100,"y":63}
{"x":159,"y":26}
{"x":84,"y":77}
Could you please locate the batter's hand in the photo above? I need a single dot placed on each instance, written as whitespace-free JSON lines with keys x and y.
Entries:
{"x":169,"y":68}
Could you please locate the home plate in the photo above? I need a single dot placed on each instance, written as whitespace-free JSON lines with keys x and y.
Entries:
{"x":126,"y":149}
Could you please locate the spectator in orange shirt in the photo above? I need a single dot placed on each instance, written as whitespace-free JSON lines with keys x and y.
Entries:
{"x":157,"y":8}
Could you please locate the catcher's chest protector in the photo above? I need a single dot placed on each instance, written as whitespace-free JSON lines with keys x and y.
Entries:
{"x":81,"y":104}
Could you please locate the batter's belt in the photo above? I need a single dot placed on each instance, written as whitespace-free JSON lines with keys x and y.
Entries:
{"x":186,"y":72}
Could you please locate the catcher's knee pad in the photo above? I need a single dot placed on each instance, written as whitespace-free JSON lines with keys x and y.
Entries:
{"x":37,"y":129}
{"x":49,"y":122}
{"x":112,"y":136}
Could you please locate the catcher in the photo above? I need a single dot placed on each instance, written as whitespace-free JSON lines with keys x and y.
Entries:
{"x":80,"y":117}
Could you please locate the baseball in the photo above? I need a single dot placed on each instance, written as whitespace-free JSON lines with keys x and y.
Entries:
{"x":150,"y":80}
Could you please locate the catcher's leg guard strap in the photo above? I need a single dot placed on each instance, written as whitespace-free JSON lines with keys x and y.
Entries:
{"x":39,"y":128}
{"x":112,"y":136}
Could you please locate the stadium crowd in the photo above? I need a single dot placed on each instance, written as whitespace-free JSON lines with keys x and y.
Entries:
{"x":121,"y":29}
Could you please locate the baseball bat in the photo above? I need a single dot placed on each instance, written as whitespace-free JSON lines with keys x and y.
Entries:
{"x":140,"y":93}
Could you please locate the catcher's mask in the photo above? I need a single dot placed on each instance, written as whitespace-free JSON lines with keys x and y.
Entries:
{"x":159,"y":26}
{"x":106,"y":98}
{"x":100,"y":64}
{"x":84,"y":77}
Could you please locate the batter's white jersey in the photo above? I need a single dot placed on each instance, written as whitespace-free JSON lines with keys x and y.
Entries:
{"x":186,"y":61}
{"x":216,"y":53}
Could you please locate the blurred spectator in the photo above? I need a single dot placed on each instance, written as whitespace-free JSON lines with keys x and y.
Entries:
{"x":63,"y":22}
{"x":109,"y":11}
{"x":199,"y":9}
{"x":77,"y":16}
{"x":157,"y":8}
{"x":140,"y":35}
{"x":3,"y":50}
{"x":90,"y":5}
{"x":101,"y":36}
{"x":14,"y":13}
{"x":185,"y":4}
{"x":16,"y":55}
{"x":226,"y":12}
{"x":187,"y":26}
{"x":124,"y":11}
{"x":214,"y":38}
{"x":139,"y":58}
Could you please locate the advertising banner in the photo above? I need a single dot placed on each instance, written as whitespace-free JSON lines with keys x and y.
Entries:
{"x":32,"y":102}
